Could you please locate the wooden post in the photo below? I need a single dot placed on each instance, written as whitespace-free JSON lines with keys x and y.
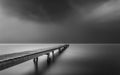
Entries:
{"x":48,"y":58}
{"x":53,"y":55}
{"x":35,"y":60}
{"x":59,"y":50}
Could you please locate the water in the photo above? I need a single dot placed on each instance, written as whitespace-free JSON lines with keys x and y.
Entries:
{"x":78,"y":59}
{"x":88,"y":59}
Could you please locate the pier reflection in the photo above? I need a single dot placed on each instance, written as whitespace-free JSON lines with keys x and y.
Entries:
{"x":51,"y":58}
{"x":78,"y":59}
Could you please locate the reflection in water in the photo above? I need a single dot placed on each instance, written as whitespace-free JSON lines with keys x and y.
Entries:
{"x":78,"y":59}
{"x":88,"y":59}
{"x":50,"y":61}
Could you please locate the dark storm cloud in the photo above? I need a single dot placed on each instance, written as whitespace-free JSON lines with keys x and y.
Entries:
{"x":75,"y":21}
{"x":45,"y":10}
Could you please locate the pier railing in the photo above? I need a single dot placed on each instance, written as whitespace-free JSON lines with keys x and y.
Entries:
{"x":9,"y":60}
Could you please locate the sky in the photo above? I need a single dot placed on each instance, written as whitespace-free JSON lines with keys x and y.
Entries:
{"x":59,"y":21}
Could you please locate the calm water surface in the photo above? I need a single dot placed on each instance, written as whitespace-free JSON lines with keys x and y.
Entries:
{"x":78,"y":59}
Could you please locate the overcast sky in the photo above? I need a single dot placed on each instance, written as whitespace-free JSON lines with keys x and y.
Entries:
{"x":56,"y":21}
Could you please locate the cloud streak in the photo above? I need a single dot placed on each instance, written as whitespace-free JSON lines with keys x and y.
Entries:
{"x":106,"y":12}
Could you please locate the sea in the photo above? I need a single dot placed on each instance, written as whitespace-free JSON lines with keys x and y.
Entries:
{"x":78,"y":59}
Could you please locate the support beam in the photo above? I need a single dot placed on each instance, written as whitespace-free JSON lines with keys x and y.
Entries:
{"x":59,"y":50}
{"x":48,"y":58}
{"x":35,"y":60}
{"x":53,"y":55}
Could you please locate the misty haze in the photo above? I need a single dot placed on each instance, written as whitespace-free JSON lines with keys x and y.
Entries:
{"x":71,"y":21}
{"x":77,"y":59}
{"x":32,"y":33}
